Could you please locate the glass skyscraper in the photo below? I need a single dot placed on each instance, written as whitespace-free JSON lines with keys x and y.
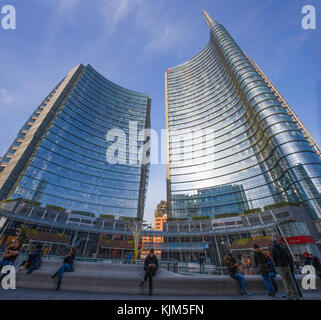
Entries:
{"x":234,"y":144}
{"x":59,"y":156}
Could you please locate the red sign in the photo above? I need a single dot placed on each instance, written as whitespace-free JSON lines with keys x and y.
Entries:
{"x":169,"y":69}
{"x":300,"y":240}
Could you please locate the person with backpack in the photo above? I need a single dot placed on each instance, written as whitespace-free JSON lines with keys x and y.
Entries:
{"x":284,"y":263}
{"x":150,"y":267}
{"x":68,"y":266}
{"x":261,"y":264}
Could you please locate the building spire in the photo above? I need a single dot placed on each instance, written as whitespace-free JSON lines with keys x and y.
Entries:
{"x":208,"y":18}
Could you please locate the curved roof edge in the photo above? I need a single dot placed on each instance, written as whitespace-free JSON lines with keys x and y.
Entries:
{"x":117,"y":86}
{"x":189,"y":60}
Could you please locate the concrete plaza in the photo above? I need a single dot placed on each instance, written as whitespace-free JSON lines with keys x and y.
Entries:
{"x":38,"y":294}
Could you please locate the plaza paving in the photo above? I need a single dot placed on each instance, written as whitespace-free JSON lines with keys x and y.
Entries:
{"x":37,"y":294}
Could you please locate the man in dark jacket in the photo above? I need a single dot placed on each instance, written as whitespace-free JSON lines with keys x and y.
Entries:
{"x":202,"y":263}
{"x":150,"y":267}
{"x":261,"y":265}
{"x":284,"y":263}
{"x":272,"y":272}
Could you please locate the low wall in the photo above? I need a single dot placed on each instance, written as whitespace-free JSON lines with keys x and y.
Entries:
{"x":125,"y":279}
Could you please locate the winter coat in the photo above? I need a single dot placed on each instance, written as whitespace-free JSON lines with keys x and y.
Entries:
{"x":151,"y":260}
{"x":281,"y":256}
{"x":270,"y":265}
{"x":231,"y":266}
{"x":261,"y":262}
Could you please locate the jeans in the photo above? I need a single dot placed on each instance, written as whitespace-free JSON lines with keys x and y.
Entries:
{"x":272,"y":276}
{"x":149,"y":274}
{"x":64,"y":268}
{"x":202,"y":267}
{"x":267,"y":283}
{"x":240,"y":279}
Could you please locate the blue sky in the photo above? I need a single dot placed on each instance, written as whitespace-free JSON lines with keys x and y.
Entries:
{"x":133,"y":42}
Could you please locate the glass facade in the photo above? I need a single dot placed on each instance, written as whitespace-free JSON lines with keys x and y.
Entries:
{"x":68,"y":168}
{"x":232,"y":146}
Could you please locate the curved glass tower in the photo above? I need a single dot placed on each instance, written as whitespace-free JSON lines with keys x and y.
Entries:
{"x":233,"y":143}
{"x":59,"y":156}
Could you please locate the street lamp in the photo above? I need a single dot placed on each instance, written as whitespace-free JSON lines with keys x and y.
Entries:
{"x":136,"y":227}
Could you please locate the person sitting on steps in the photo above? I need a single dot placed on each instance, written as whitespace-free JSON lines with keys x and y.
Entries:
{"x":68,"y":266}
{"x":34,"y":260}
{"x":150,"y":267}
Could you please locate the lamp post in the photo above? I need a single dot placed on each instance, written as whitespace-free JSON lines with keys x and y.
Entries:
{"x":136,"y":227}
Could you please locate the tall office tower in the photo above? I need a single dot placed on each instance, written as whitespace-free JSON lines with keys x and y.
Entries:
{"x":59,"y":157}
{"x":234,"y":144}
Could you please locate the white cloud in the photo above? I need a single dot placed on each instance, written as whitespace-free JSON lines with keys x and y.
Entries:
{"x":65,"y":5}
{"x":5,"y":97}
{"x":115,"y":11}
{"x":165,"y":37}
{"x":159,"y":26}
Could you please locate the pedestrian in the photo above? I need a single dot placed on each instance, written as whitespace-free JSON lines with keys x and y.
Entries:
{"x":261,"y":265}
{"x":317,"y":266}
{"x":129,"y":257}
{"x":34,"y":260}
{"x":202,"y":262}
{"x":150,"y":267}
{"x":283,"y":262}
{"x":67,"y":266}
{"x":272,"y":272}
{"x":234,"y":273}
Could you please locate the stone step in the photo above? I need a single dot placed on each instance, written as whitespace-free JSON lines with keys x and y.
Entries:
{"x":125,"y":279}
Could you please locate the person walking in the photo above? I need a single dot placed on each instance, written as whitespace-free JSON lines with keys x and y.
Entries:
{"x":202,"y":263}
{"x":261,"y":265}
{"x":150,"y":267}
{"x":34,"y":260}
{"x":234,"y":273}
{"x":129,"y":258}
{"x":67,"y":266}
{"x":283,"y":262}
{"x":272,"y":273}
